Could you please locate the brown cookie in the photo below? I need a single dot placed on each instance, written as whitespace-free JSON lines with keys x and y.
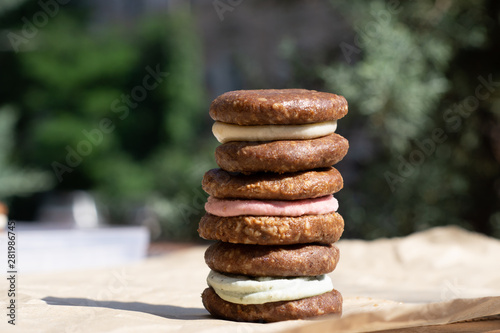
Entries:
{"x":327,"y":303}
{"x":271,"y":186}
{"x":272,"y":230}
{"x":281,"y":156}
{"x":274,"y":106}
{"x":272,"y":260}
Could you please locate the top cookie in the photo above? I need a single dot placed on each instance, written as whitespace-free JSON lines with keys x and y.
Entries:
{"x":277,"y":106}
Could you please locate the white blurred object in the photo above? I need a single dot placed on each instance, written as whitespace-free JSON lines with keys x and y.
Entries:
{"x":48,"y":248}
{"x":71,"y":209}
{"x":3,"y":216}
{"x":70,"y":233}
{"x":84,"y":210}
{"x":3,"y":222}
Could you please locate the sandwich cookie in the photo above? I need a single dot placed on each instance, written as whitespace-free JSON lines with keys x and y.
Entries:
{"x":272,"y":186}
{"x":268,"y":260}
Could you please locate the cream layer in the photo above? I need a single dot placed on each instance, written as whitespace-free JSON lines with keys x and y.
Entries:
{"x":258,"y":290}
{"x":225,"y":132}
{"x":317,"y":206}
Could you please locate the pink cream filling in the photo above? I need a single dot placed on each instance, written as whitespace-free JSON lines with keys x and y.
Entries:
{"x":316,"y":206}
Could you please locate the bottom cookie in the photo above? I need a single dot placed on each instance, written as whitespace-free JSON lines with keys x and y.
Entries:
{"x":327,"y":303}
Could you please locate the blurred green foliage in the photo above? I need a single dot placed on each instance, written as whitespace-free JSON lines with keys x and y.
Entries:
{"x":15,"y":179}
{"x":118,"y":112}
{"x":407,"y":64}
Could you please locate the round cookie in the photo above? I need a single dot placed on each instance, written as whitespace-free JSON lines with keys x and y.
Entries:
{"x":272,"y":260}
{"x":272,"y":230}
{"x":277,"y":106}
{"x":281,"y":156}
{"x":271,"y":186}
{"x":327,"y":303}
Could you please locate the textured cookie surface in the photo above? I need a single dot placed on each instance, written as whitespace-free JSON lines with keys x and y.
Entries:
{"x":275,"y":106}
{"x":270,"y":186}
{"x":327,"y":303}
{"x":281,"y":156}
{"x":269,"y":260}
{"x":272,"y":230}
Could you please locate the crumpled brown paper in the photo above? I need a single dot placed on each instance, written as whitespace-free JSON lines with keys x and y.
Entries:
{"x":438,"y":276}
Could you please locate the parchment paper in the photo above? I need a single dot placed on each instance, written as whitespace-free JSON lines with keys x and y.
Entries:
{"x":438,"y":276}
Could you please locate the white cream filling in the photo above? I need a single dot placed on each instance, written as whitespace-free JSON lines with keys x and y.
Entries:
{"x":225,"y":132}
{"x":258,"y":290}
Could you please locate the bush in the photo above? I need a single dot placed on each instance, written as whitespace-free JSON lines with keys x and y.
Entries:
{"x":411,"y":165}
{"x":119,"y":113}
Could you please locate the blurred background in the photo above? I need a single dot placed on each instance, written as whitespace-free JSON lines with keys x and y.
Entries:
{"x":104,"y":106}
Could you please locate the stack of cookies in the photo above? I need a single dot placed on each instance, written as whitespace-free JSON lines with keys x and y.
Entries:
{"x":270,"y":206}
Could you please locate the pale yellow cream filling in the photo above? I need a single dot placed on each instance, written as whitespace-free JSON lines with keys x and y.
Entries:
{"x":225,"y":132}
